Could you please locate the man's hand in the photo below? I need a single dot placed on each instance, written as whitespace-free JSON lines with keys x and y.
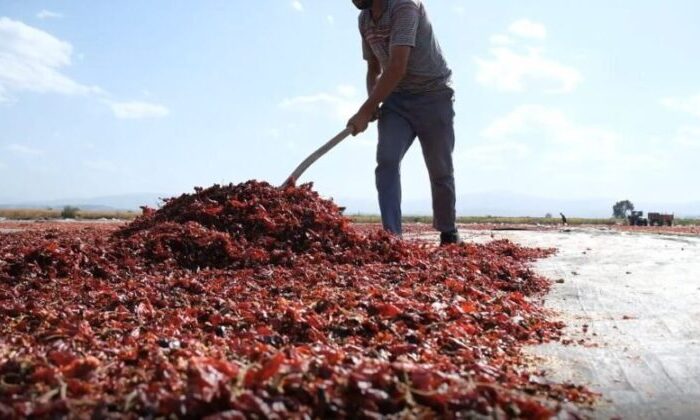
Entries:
{"x":385,"y":84}
{"x":360,"y":121}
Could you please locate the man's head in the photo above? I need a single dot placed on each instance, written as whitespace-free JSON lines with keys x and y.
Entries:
{"x":363,"y":4}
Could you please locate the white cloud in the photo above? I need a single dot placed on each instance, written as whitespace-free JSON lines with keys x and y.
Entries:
{"x":690,"y":105}
{"x":101,"y":165}
{"x":275,"y":133}
{"x":688,"y":137}
{"x":138,"y":110}
{"x":528,"y":29}
{"x":552,"y":121}
{"x":514,"y":66}
{"x":340,"y":104}
{"x":330,"y":19}
{"x":48,"y":14}
{"x":524,"y":118}
{"x":296,"y":4}
{"x":24,"y":150}
{"x":347,"y":91}
{"x":500,"y":39}
{"x":509,"y":71}
{"x":559,"y":139}
{"x":493,"y":154}
{"x":32,"y":60}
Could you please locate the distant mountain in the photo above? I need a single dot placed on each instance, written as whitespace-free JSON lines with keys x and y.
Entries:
{"x":106,"y":203}
{"x":495,"y":204}
{"x":521,"y":205}
{"x":476,"y":204}
{"x":514,"y":205}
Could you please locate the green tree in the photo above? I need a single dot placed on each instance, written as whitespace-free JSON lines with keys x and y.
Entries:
{"x":69,"y":212}
{"x":621,"y":208}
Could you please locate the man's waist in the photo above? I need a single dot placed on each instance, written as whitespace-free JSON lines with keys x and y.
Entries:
{"x":421,"y":84}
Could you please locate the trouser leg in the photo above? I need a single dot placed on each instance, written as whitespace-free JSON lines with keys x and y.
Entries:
{"x":436,"y":134}
{"x":395,"y":137}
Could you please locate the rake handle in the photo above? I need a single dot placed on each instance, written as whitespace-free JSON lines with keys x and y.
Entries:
{"x":303,"y":166}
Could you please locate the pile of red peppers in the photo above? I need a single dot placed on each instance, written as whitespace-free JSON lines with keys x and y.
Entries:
{"x":250,"y":301}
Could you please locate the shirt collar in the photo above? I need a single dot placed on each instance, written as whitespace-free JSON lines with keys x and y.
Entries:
{"x":386,"y":7}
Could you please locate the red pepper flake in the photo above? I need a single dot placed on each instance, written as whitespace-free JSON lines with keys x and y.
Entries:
{"x":248,"y":300}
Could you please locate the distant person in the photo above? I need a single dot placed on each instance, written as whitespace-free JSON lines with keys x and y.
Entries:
{"x":408,"y":76}
{"x":563,"y":219}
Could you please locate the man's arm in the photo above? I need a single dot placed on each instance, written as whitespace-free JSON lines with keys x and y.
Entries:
{"x":390,"y":78}
{"x":382,"y":88}
{"x":373,"y":72}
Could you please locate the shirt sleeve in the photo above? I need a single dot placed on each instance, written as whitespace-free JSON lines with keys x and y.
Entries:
{"x":367,"y":53}
{"x":404,"y":24}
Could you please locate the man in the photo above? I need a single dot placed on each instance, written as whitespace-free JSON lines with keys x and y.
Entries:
{"x":408,"y":76}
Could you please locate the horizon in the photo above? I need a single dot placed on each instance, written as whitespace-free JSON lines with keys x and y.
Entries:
{"x":487,"y":203}
{"x":97,"y":100}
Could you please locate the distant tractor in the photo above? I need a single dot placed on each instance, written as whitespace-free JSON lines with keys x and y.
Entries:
{"x":658,"y":219}
{"x":636,"y":218}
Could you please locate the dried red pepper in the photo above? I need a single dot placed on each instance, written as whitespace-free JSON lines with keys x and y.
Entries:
{"x":248,"y":300}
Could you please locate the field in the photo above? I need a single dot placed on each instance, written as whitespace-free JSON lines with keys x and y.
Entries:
{"x":250,"y":301}
{"x":494,"y":220}
{"x":53,"y":214}
{"x":39,"y":214}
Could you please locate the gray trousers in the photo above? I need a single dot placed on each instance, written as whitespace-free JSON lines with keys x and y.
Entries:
{"x":403,"y":117}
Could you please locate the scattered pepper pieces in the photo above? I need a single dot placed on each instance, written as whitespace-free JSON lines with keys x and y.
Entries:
{"x":248,"y":300}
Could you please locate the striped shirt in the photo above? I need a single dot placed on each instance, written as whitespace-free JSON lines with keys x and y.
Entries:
{"x":405,"y":22}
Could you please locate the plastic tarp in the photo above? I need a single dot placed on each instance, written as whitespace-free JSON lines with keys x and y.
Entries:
{"x":635,"y":300}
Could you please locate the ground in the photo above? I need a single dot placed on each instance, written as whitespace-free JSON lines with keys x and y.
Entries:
{"x":629,"y":299}
{"x":633,"y":298}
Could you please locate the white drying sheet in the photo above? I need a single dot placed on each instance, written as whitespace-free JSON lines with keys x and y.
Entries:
{"x":639,"y":295}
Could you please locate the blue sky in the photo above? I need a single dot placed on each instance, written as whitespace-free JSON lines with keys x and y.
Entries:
{"x":556,"y":99}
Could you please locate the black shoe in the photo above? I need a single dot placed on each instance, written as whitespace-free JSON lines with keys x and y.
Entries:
{"x":449,"y":238}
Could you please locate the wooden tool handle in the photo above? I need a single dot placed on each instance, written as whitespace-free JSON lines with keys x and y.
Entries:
{"x":303,"y":166}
